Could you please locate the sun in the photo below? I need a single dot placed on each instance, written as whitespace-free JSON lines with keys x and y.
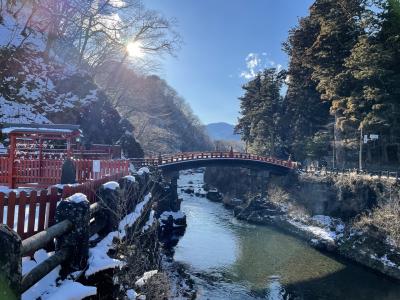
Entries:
{"x":134,"y":49}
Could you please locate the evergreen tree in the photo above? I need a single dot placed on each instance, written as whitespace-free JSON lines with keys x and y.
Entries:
{"x":339,"y":24}
{"x":373,"y":67}
{"x":262,"y":112}
{"x":305,"y":113}
{"x":248,"y":103}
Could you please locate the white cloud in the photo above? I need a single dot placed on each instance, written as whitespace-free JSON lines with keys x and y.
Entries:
{"x":255,"y":63}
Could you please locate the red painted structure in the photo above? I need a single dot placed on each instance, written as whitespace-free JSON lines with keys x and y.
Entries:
{"x":164,"y":161}
{"x":31,"y":213}
{"x":36,"y":153}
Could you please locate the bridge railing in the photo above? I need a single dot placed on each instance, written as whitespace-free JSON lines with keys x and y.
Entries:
{"x":192,"y":156}
{"x":323,"y":171}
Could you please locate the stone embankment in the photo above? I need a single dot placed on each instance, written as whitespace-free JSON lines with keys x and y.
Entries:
{"x":323,"y":210}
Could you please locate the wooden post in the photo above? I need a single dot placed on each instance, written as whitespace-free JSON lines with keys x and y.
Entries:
{"x":76,"y":209}
{"x":40,"y":158}
{"x":109,"y":200}
{"x":10,"y":263}
{"x":11,"y":161}
{"x":69,"y":153}
{"x":360,"y":162}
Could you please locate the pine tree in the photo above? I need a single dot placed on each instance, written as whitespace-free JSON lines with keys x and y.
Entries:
{"x":248,"y":106}
{"x":339,"y":24}
{"x":373,"y":68}
{"x":305,"y":113}
{"x":261,"y":113}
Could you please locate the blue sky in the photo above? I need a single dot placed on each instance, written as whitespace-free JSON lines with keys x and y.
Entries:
{"x":225,"y":42}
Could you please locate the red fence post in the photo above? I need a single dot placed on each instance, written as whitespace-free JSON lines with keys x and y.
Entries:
{"x":11,"y":162}
{"x":42,"y":212}
{"x":11,"y":209}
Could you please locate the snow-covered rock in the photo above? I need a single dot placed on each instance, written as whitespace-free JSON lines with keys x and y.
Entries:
{"x":111,"y":185}
{"x":78,"y":198}
{"x":144,"y":170}
{"x":146,"y":276}
{"x":131,"y":294}
{"x":130,"y":178}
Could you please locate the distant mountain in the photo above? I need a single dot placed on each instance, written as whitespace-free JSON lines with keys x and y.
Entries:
{"x":222,"y":131}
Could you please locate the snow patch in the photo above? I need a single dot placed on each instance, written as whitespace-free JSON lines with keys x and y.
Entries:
{"x":146,"y":276}
{"x":71,"y":290}
{"x":131,"y":294}
{"x":175,"y":215}
{"x":149,"y":222}
{"x":98,"y":255}
{"x":130,"y":178}
{"x":322,"y":233}
{"x":385,"y":261}
{"x":49,"y":287}
{"x":144,"y":170}
{"x":8,"y":130}
{"x":77,"y":198}
{"x":111,"y":185}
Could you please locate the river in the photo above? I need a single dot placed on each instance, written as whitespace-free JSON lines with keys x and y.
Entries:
{"x":231,"y":259}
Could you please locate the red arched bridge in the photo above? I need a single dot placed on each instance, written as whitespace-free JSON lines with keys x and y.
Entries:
{"x":190,"y":160}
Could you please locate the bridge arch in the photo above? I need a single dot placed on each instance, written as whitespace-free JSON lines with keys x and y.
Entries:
{"x":190,"y":160}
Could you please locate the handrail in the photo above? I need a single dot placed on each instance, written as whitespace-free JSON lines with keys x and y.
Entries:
{"x":42,"y":269}
{"x":41,"y":239}
{"x":191,"y":156}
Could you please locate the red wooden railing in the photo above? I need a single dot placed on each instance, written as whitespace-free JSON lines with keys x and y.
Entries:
{"x":31,"y":213}
{"x":4,"y":169}
{"x":192,"y":156}
{"x":48,"y":171}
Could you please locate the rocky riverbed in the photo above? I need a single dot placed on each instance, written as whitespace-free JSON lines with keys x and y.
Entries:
{"x":287,"y":208}
{"x":226,"y":254}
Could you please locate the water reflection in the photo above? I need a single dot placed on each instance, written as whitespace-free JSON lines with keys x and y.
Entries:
{"x":214,"y":250}
{"x":230,"y":259}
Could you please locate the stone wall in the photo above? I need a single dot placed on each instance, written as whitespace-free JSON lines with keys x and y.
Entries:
{"x":238,"y":183}
{"x":343,"y":196}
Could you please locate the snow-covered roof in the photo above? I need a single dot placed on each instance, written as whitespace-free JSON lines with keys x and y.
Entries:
{"x":40,"y":128}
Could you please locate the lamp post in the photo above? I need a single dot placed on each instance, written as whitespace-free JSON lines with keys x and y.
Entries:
{"x":334,"y":145}
{"x":360,"y":167}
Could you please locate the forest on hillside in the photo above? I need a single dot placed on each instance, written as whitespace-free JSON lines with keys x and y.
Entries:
{"x":91,"y":63}
{"x":342,"y":89}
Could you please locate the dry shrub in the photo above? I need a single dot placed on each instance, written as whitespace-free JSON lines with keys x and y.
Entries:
{"x":281,"y":198}
{"x":385,"y":218}
{"x":157,"y":287}
{"x":278,"y":196}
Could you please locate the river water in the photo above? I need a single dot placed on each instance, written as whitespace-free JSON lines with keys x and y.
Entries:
{"x":230,"y":259}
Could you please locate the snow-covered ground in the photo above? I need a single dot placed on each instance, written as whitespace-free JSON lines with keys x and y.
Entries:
{"x":98,"y":255}
{"x":51,"y":287}
{"x":322,"y":227}
{"x":33,"y":87}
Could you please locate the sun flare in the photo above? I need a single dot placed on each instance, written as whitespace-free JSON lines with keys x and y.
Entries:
{"x":134,"y":49}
